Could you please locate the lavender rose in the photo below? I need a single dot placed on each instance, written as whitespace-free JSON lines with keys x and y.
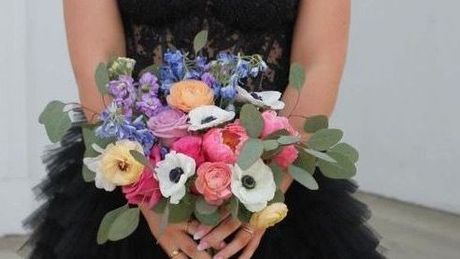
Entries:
{"x":169,"y":123}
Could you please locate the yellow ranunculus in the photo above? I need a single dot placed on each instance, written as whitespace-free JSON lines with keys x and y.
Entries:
{"x":118,"y":166}
{"x":189,"y":94}
{"x":269,"y":216}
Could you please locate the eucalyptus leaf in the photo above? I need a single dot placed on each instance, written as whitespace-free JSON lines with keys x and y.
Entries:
{"x":154,"y":69}
{"x":200,"y":40}
{"x":161,"y":206}
{"x":106,"y":223}
{"x":296,"y":76}
{"x":181,"y":212}
{"x":306,"y":161}
{"x":324,"y":139}
{"x":277,"y":173}
{"x":90,"y":138}
{"x":206,"y":213}
{"x":343,"y":168}
{"x":233,"y":207}
{"x":251,"y":152}
{"x":56,"y":121}
{"x":88,"y":175}
{"x":345,"y":149}
{"x":279,"y":197}
{"x":303,"y":177}
{"x":277,"y":134}
{"x":270,"y":144}
{"x":288,"y":140}
{"x":124,"y":224}
{"x":320,"y":155}
{"x":102,"y":78}
{"x":139,"y":157}
{"x":315,"y":123}
{"x":252,"y":120}
{"x":244,"y":215}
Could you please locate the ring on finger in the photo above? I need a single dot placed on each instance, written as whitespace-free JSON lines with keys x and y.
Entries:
{"x":248,"y":229}
{"x":174,"y":253}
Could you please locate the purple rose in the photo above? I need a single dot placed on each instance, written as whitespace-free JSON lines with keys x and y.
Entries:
{"x":169,"y":123}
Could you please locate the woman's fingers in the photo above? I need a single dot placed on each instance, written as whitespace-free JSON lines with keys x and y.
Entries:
{"x":192,"y":227}
{"x":189,"y":247}
{"x":203,"y":230}
{"x":249,"y":250}
{"x":240,"y":241}
{"x":216,"y":237}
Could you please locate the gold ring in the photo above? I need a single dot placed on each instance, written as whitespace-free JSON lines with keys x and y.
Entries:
{"x":246,"y":228}
{"x":174,"y":253}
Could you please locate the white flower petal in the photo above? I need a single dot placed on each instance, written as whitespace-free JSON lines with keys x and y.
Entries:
{"x":256,"y":207}
{"x":199,"y":114}
{"x":269,"y":98}
{"x":177,"y":196}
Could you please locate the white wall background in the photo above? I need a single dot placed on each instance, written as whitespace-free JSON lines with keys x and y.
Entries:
{"x":398,"y":102}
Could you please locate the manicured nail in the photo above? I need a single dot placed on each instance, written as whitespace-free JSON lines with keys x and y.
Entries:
{"x":222,"y":245}
{"x":202,"y":246}
{"x":198,"y":235}
{"x":218,"y":257}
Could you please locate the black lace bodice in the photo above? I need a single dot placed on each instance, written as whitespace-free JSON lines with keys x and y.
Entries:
{"x":247,"y":26}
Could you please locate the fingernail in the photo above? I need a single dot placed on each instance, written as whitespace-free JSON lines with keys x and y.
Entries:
{"x":218,"y":257}
{"x":198,"y":235}
{"x":222,"y":245}
{"x":202,"y":246}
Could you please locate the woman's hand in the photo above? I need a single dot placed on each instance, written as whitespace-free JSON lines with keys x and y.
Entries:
{"x":175,"y":238}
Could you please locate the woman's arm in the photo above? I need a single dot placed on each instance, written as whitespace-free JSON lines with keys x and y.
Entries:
{"x":95,"y":34}
{"x":319,"y":44}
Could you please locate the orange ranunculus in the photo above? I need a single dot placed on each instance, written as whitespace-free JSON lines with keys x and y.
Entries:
{"x":189,"y":94}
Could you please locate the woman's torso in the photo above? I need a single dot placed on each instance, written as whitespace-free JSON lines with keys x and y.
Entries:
{"x":251,"y":27}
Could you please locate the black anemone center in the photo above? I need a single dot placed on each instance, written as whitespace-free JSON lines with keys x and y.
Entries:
{"x":175,"y":174}
{"x":208,"y":119}
{"x":256,"y":96}
{"x":248,"y":182}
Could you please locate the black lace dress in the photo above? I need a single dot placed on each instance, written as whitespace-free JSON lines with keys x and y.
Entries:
{"x":328,"y":223}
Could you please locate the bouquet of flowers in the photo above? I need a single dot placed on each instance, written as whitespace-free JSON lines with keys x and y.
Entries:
{"x":187,"y":139}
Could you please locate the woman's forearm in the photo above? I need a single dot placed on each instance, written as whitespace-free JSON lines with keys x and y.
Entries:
{"x":94,"y":34}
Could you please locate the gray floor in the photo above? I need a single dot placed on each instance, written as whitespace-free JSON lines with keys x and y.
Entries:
{"x":408,"y":231}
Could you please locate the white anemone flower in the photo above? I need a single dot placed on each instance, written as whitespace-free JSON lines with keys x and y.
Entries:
{"x":208,"y":116}
{"x":255,"y":186}
{"x":172,"y":173}
{"x":262,"y":99}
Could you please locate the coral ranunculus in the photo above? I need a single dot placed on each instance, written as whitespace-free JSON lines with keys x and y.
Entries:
{"x":224,"y":144}
{"x":214,"y":181}
{"x":147,"y":189}
{"x":189,"y":94}
{"x":190,"y":146}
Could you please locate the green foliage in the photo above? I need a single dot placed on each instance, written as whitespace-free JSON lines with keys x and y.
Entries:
{"x":233,"y":207}
{"x":306,"y":161}
{"x":200,"y":40}
{"x":139,"y":157}
{"x":244,"y":215}
{"x":315,"y":123}
{"x":206,"y":213}
{"x":102,"y":78}
{"x":160,"y":207}
{"x":181,"y":212}
{"x":277,"y":173}
{"x":251,"y":152}
{"x":345,"y":149}
{"x":279,"y":197}
{"x":320,"y":155}
{"x":343,"y":168}
{"x":88,"y":175}
{"x":303,"y":177}
{"x":89,"y":138}
{"x":296,"y":76}
{"x":323,"y":139}
{"x":57,"y":122}
{"x":106,"y":223}
{"x":252,"y":120}
{"x":270,"y":144}
{"x":154,"y":69}
{"x":288,"y":140}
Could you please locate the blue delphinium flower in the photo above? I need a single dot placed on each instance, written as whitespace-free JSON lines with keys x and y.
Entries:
{"x":116,"y":125}
{"x":173,"y":69}
{"x":211,"y":81}
{"x":124,"y":92}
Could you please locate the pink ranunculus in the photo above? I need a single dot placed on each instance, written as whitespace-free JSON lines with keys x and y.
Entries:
{"x":286,"y":157}
{"x":169,"y":124}
{"x":224,"y":144}
{"x":273,"y":123}
{"x":213,"y":182}
{"x":190,"y":146}
{"x":147,"y":189}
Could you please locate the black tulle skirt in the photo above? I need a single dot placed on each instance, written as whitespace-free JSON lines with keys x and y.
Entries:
{"x":328,"y":223}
